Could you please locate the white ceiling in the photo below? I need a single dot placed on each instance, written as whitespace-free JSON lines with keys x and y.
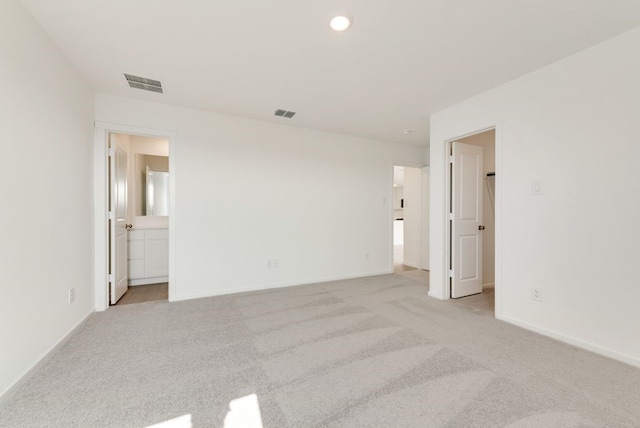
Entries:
{"x":401,"y":61}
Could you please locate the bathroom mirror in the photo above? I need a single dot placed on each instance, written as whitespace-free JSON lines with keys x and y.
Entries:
{"x":157,"y":192}
{"x":152,"y":185}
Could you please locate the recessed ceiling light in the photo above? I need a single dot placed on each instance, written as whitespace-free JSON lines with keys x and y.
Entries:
{"x":407,"y":132}
{"x":340,"y":23}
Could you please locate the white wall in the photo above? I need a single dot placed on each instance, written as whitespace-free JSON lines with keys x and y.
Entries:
{"x":46,"y":118}
{"x":311,"y":200}
{"x":425,"y":227}
{"x":572,"y":126}
{"x":398,"y":234}
{"x":412,"y":207}
{"x":486,"y":140}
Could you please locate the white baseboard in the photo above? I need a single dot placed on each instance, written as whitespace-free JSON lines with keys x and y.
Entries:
{"x":228,"y":291}
{"x":8,"y":393}
{"x":573,"y":341}
{"x":435,"y":295}
{"x":410,"y":264}
{"x":489,"y":285}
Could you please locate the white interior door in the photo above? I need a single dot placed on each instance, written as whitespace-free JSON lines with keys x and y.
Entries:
{"x":118,"y":256}
{"x":466,"y":227}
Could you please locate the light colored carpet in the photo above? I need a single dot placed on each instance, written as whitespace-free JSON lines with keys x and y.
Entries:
{"x":371,"y":352}
{"x":410,"y":272}
{"x":421,"y":276}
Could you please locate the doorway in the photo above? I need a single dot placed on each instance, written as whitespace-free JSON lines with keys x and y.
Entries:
{"x":139,"y":218}
{"x":480,"y":267}
{"x":409,"y":222}
{"x":134,"y":187}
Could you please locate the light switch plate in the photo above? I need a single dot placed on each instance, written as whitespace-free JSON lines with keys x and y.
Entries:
{"x":536,"y":187}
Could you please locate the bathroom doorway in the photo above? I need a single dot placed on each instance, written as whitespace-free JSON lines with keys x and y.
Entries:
{"x":145,"y":212}
{"x":138,"y":218}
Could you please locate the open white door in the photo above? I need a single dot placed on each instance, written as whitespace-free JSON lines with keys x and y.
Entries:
{"x":466,"y":225}
{"x":118,"y":257}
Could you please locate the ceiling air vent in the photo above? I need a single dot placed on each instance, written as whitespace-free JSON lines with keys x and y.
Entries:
{"x":285,"y":113}
{"x":144,"y":83}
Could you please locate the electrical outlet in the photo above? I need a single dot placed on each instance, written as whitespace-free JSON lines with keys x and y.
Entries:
{"x":72,"y":295}
{"x":536,"y":294}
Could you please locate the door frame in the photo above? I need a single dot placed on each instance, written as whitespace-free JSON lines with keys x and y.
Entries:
{"x":100,"y":205}
{"x":444,"y":291}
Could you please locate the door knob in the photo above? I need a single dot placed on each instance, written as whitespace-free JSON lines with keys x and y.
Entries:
{"x":480,"y":227}
{"x":128,"y":226}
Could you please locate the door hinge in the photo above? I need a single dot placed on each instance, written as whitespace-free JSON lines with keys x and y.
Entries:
{"x":110,"y":277}
{"x":450,"y":216}
{"x":110,"y":215}
{"x":451,"y":159}
{"x":112,"y":151}
{"x":450,"y":273}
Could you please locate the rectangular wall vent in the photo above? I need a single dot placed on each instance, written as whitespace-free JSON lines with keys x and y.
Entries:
{"x":285,"y":113}
{"x":144,"y":83}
